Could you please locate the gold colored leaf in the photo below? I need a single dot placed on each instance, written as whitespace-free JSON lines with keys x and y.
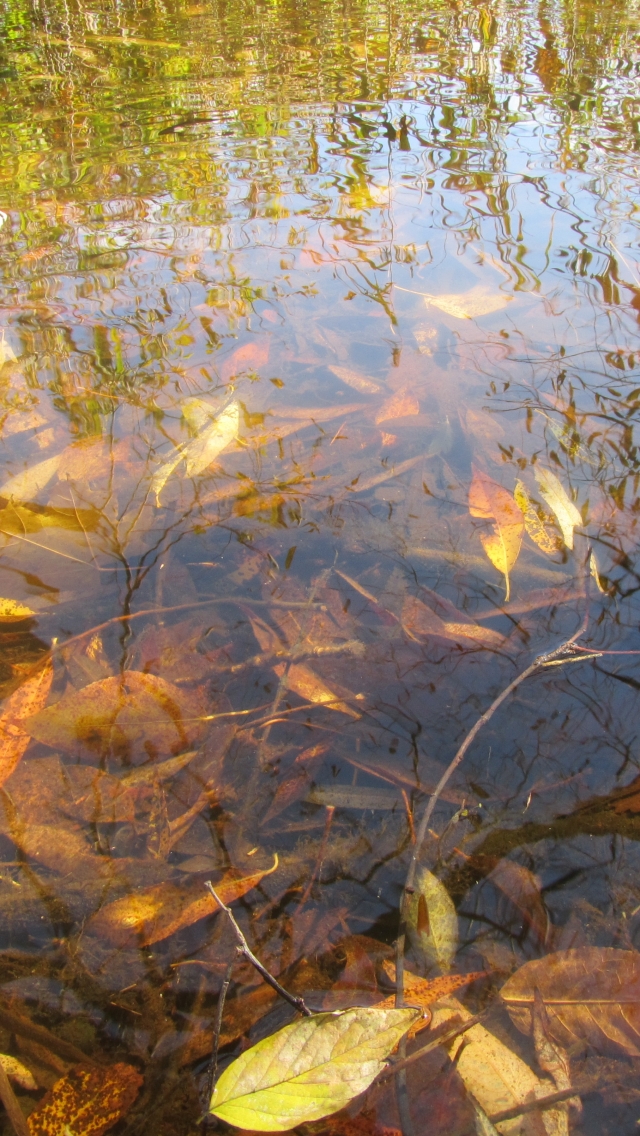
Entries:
{"x":309,"y":1069}
{"x":432,"y":921}
{"x":148,"y":916}
{"x":356,"y":380}
{"x":400,"y":405}
{"x":86,"y":1102}
{"x":534,"y":523}
{"x":489,"y":499}
{"x":11,"y":611}
{"x":561,"y":505}
{"x":27,"y":700}
{"x":18,"y":1072}
{"x":478,"y":301}
{"x":304,"y":682}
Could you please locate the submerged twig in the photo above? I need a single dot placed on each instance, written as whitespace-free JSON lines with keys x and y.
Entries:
{"x":298,"y":1004}
{"x":217,"y":1027}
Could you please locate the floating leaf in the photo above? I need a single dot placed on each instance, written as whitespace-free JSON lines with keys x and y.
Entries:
{"x":493,"y":1074}
{"x":590,"y":994}
{"x":12,"y":612}
{"x":400,"y":405}
{"x":478,"y":301}
{"x":152,"y":914}
{"x":86,"y":1102}
{"x":488,"y":499}
{"x":25,"y":486}
{"x":356,"y":380}
{"x":18,"y":1072}
{"x":127,"y":715}
{"x":560,"y":504}
{"x":432,"y":922}
{"x":534,"y":523}
{"x":309,"y":1069}
{"x":27,"y":700}
{"x":304,"y":682}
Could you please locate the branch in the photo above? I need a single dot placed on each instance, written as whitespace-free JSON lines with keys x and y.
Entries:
{"x":298,"y":1004}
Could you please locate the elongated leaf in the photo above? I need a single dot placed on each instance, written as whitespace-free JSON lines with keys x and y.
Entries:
{"x":86,"y":1102}
{"x":561,"y":505}
{"x":419,"y":620}
{"x":432,"y":921}
{"x":523,"y":890}
{"x":488,"y":499}
{"x":534,"y":523}
{"x":590,"y":994}
{"x":356,"y":380}
{"x":304,"y":682}
{"x":205,"y":449}
{"x":25,"y":486}
{"x":400,"y":405}
{"x":150,"y":915}
{"x":296,"y":781}
{"x":494,"y":1075}
{"x":478,"y":301}
{"x":309,"y":1069}
{"x":14,"y":735}
{"x":126,"y":716}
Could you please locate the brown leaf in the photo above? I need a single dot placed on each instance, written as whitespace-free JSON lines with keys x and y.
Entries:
{"x":296,"y":781}
{"x":552,"y":1058}
{"x":523,"y":890}
{"x":127,"y":716}
{"x":591,"y":994}
{"x":304,"y":682}
{"x":86,"y":1102}
{"x":356,"y":380}
{"x":147,"y":916}
{"x":489,"y":500}
{"x":28,"y":699}
{"x":400,"y":405}
{"x":420,"y":620}
{"x":61,"y":849}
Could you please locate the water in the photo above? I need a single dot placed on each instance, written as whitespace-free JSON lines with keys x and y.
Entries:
{"x":394,"y":245}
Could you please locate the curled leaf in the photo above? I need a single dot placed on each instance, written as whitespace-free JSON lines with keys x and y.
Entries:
{"x":561,"y":505}
{"x":432,"y":922}
{"x":309,"y":1069}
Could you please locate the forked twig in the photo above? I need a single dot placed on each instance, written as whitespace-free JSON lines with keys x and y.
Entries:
{"x":298,"y":1004}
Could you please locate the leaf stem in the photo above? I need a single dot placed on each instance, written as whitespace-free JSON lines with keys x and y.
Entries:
{"x":298,"y":1004}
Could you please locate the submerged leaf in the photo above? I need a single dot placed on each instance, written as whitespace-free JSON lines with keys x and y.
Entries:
{"x":432,"y":922}
{"x":356,"y":380}
{"x":560,"y":504}
{"x":25,"y":486}
{"x":304,"y":682}
{"x":148,"y":916}
{"x":18,"y":1072}
{"x":199,"y":453}
{"x":488,"y":499}
{"x":309,"y":1069}
{"x":423,"y":992}
{"x":400,"y":405}
{"x":127,"y":715}
{"x":523,"y":890}
{"x":28,"y":699}
{"x":12,"y":612}
{"x":478,"y":301}
{"x":590,"y":994}
{"x":540,"y":534}
{"x":86,"y":1102}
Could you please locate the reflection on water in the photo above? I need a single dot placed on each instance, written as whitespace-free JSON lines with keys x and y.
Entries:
{"x":279,"y":283}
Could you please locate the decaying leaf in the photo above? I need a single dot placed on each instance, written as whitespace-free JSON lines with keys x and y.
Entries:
{"x":304,"y":682}
{"x":478,"y":301}
{"x":12,"y":612}
{"x":566,"y":513}
{"x":534,"y":522}
{"x":356,"y":380}
{"x":126,"y":716}
{"x":18,"y":1072}
{"x":309,"y":1069}
{"x":495,"y":1076}
{"x":25,"y":486}
{"x":296,"y":781}
{"x":490,"y":500}
{"x":523,"y":890}
{"x":423,"y":992}
{"x":403,"y":404}
{"x":550,"y":1056}
{"x":432,"y":921}
{"x":590,"y":994}
{"x":86,"y":1102}
{"x":27,"y":700}
{"x":154,"y":913}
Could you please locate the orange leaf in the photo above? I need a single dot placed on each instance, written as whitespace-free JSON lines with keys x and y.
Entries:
{"x":147,"y":916}
{"x":250,"y":357}
{"x":25,"y":701}
{"x":400,"y":405}
{"x":418,"y":619}
{"x":424,"y":992}
{"x":302,"y":680}
{"x":86,"y":1102}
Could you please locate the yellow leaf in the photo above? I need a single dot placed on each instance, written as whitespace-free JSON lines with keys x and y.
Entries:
{"x":593,"y":568}
{"x":86,"y":1102}
{"x":503,"y":547}
{"x":478,"y":301}
{"x":24,"y":486}
{"x":432,"y":921}
{"x":11,"y":611}
{"x":488,"y":499}
{"x":356,"y":380}
{"x":560,"y":504}
{"x":18,"y":1072}
{"x":533,"y":522}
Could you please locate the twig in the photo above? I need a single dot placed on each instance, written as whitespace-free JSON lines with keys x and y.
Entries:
{"x":545,"y":659}
{"x":217,"y":1027}
{"x":541,"y":1102}
{"x":298,"y":1004}
{"x":12,"y":1108}
{"x":443,"y":1039}
{"x":319,"y":859}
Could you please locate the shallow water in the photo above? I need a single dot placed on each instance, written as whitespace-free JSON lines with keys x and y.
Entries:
{"x":388,"y":250}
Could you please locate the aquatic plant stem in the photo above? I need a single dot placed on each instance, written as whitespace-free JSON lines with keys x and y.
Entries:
{"x":298,"y":1004}
{"x":11,"y":1106}
{"x":217,"y":1027}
